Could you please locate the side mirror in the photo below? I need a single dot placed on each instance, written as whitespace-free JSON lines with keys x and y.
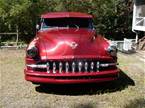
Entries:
{"x":37,"y":27}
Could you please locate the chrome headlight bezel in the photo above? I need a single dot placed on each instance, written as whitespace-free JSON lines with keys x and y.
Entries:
{"x":112,"y":50}
{"x":32,"y":52}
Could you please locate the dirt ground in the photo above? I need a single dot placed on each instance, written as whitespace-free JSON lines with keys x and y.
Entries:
{"x":127,"y":92}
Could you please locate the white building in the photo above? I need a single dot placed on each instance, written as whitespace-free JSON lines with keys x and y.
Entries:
{"x":138,"y":17}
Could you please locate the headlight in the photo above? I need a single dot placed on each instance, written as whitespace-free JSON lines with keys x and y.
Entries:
{"x":112,"y":50}
{"x":33,"y":52}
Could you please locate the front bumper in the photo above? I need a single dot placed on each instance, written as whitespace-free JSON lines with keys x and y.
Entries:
{"x":71,"y":78}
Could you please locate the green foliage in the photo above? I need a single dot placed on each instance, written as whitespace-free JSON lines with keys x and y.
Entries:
{"x":111,"y":17}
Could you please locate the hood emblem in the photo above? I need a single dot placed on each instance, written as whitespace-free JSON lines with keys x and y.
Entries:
{"x":73,"y":45}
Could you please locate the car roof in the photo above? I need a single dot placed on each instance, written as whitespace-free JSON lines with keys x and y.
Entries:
{"x":65,"y":15}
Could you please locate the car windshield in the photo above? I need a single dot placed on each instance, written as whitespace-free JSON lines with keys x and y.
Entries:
{"x":49,"y":23}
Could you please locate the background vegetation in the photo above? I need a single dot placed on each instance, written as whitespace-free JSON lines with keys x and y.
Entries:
{"x":111,"y":17}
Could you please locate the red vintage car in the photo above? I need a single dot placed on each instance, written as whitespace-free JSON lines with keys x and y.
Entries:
{"x":67,"y":50}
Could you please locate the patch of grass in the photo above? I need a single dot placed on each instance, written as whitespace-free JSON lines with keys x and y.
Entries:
{"x":127,"y":92}
{"x":137,"y":103}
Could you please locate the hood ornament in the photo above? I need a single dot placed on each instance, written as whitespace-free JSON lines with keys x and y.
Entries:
{"x":73,"y":45}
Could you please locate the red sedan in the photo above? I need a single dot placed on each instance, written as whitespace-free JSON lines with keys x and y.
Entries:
{"x":67,"y":50}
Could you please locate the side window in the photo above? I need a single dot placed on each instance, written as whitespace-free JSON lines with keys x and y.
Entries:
{"x":91,"y":25}
{"x":42,"y":23}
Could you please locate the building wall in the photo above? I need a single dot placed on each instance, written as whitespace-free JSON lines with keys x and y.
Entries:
{"x":140,"y":11}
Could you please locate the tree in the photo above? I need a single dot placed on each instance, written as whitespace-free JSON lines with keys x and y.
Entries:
{"x":111,"y":17}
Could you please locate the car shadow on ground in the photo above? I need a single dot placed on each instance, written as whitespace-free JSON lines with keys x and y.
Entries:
{"x":95,"y":88}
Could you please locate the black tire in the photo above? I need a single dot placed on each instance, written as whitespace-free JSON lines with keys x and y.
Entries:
{"x":36,"y":83}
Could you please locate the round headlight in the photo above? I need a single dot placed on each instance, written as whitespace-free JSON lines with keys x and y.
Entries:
{"x":33,"y":52}
{"x":112,"y":50}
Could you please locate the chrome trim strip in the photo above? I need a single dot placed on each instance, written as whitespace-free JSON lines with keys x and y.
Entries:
{"x":36,"y":66}
{"x":108,"y":64}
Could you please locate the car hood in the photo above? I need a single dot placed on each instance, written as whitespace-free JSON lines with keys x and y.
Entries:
{"x":71,"y":43}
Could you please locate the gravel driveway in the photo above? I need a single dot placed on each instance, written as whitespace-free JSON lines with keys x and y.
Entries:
{"x":127,"y":92}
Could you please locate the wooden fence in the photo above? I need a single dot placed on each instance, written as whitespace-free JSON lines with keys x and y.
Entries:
{"x":11,"y":44}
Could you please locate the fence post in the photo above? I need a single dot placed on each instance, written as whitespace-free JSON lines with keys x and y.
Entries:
{"x":17,"y":39}
{"x":136,"y":38}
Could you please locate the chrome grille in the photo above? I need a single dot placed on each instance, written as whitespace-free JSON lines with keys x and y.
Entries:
{"x":75,"y":66}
